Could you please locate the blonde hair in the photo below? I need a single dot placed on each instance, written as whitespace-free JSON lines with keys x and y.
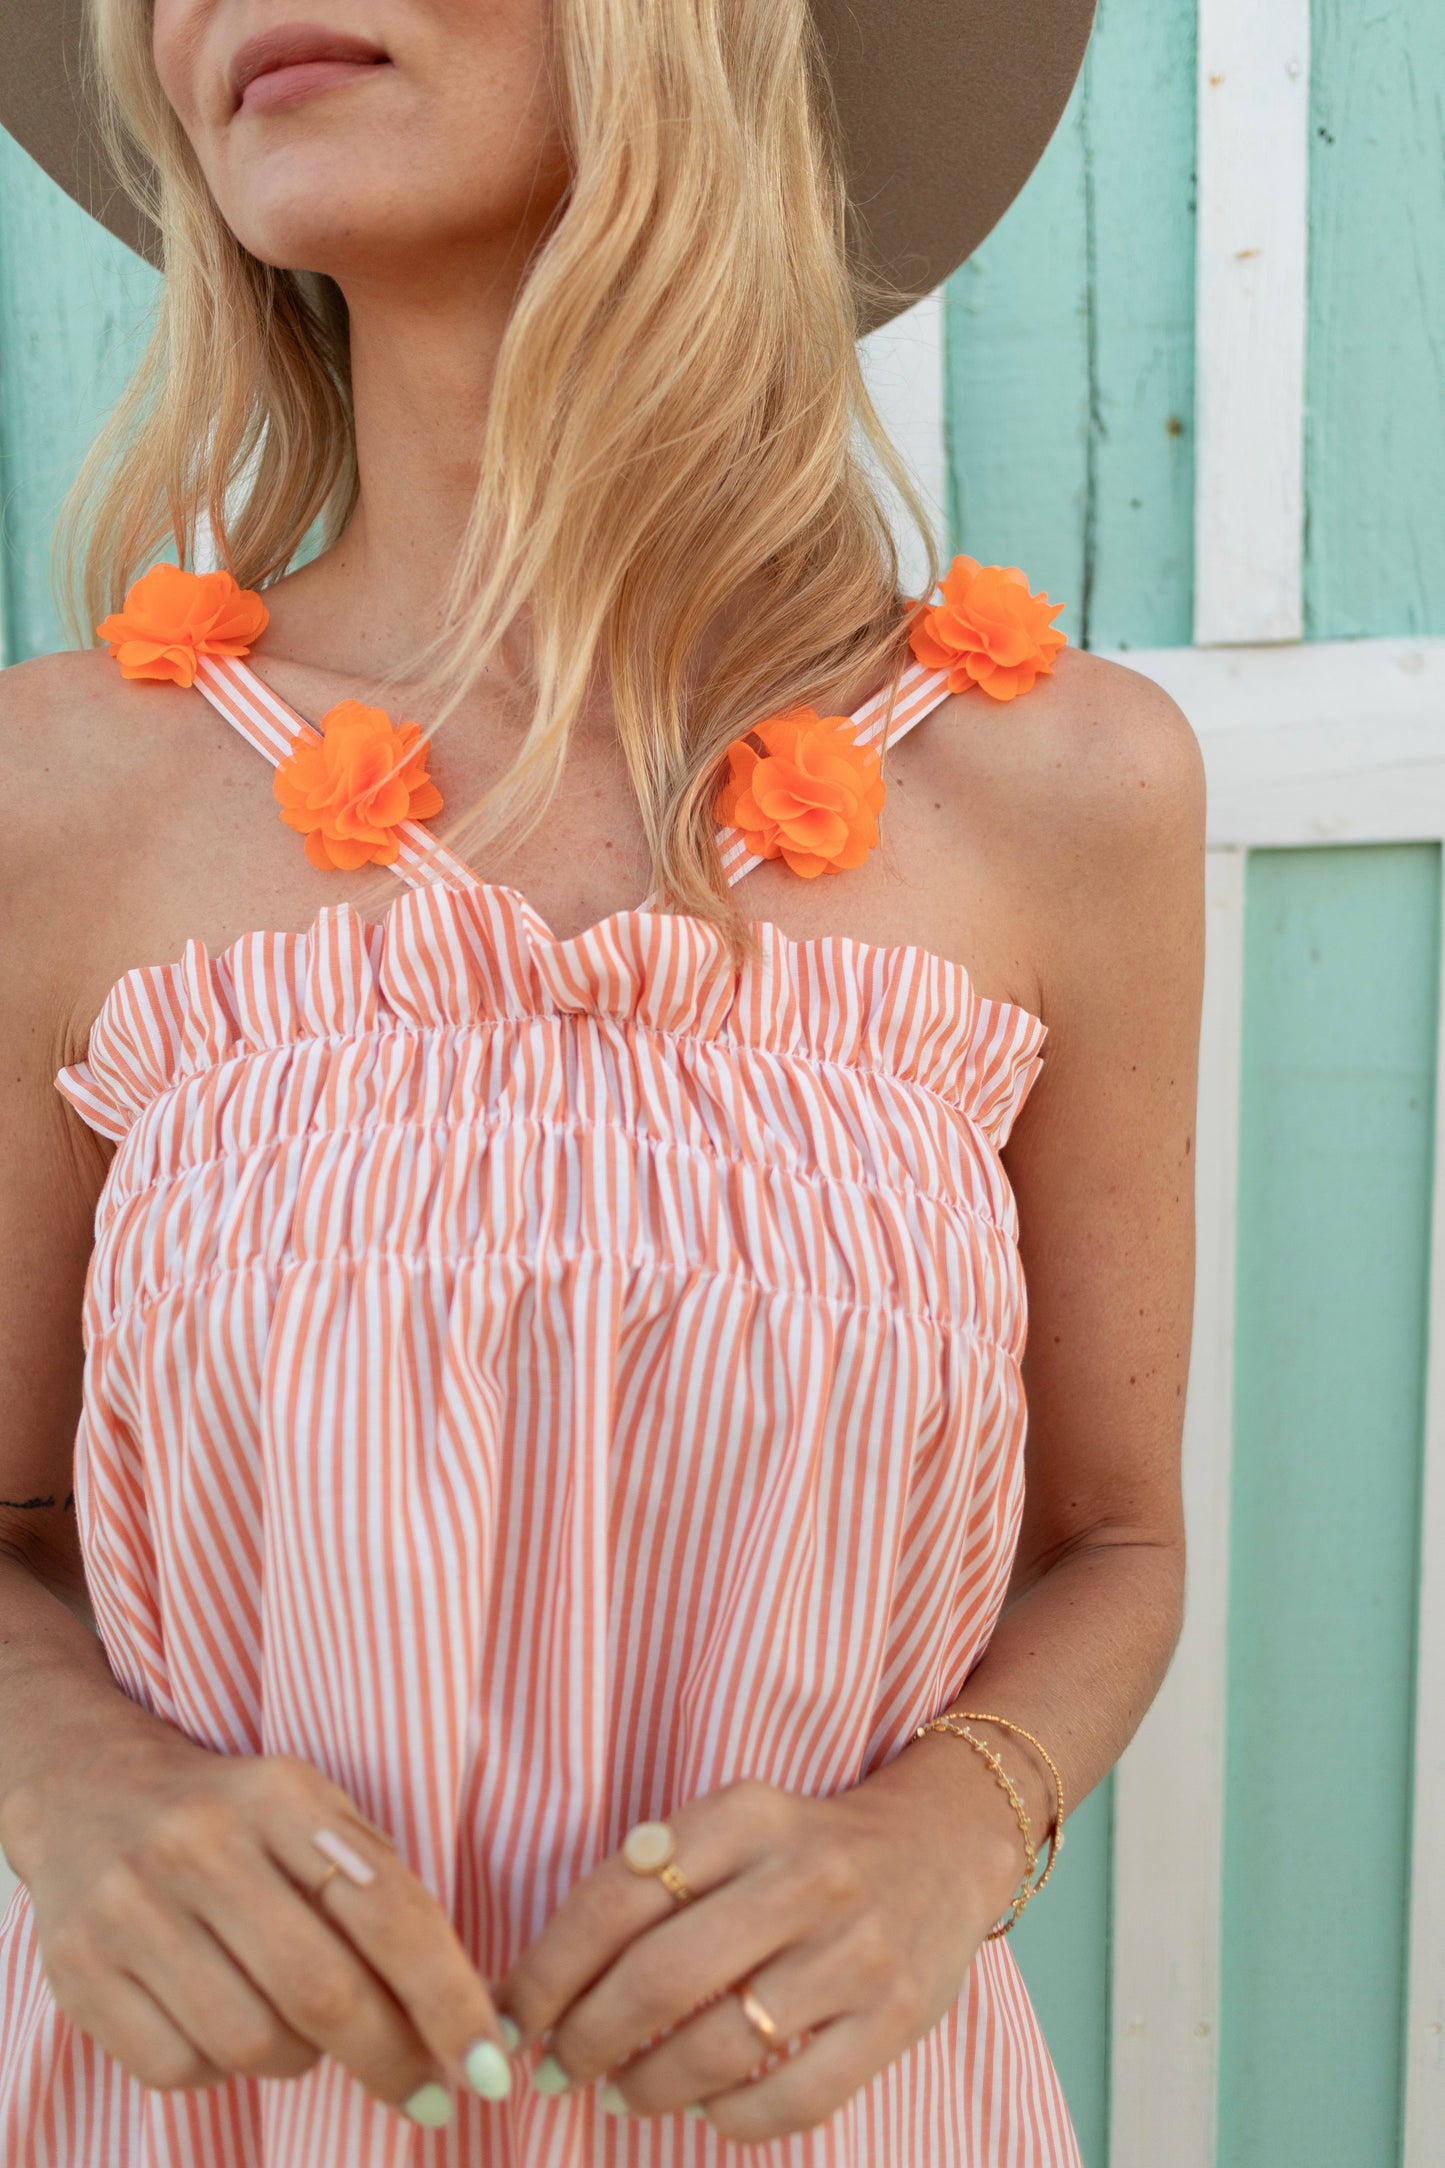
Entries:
{"x":678,"y":410}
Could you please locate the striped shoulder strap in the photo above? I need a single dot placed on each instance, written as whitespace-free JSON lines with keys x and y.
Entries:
{"x":266,"y":721}
{"x":920,"y":691}
{"x":272,"y":726}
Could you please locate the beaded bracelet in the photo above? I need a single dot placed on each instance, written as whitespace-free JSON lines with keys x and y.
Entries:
{"x":1022,"y":1895}
{"x":1055,"y":1832}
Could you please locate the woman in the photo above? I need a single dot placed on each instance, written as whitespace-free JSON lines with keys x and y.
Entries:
{"x":580,"y":1673}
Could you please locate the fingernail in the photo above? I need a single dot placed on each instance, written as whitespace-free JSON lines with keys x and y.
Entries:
{"x":488,"y":2071}
{"x":612,"y":2099}
{"x":549,"y":2076}
{"x":430,"y":2105}
{"x":696,"y":2108}
{"x":511,"y":2032}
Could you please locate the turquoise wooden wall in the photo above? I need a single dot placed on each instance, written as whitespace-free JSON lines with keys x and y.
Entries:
{"x":1070,"y":357}
{"x":73,"y":307}
{"x":1335,"y":1165}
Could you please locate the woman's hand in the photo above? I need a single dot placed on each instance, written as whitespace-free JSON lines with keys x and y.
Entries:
{"x":172,"y":1898}
{"x":853,"y":1918}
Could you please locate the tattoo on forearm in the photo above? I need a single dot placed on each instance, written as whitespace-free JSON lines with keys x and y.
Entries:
{"x":30,"y":1505}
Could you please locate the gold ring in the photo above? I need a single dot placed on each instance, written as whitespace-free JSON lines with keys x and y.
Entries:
{"x":341,"y":1858}
{"x":671,"y":1879}
{"x":648,"y":1848}
{"x":760,"y":2020}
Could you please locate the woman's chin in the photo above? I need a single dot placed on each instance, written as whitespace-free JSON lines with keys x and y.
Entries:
{"x":297,"y":239}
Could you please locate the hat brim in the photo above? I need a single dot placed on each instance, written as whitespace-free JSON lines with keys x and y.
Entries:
{"x":945,"y":107}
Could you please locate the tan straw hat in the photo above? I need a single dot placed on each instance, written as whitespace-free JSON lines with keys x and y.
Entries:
{"x":946,"y":106}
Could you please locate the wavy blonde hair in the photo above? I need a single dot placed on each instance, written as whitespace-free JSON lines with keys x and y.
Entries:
{"x":678,"y":410}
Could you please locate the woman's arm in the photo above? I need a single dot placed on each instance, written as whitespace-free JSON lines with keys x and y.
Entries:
{"x":1111,"y":816}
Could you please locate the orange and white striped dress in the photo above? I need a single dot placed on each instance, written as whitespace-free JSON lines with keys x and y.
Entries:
{"x":540,"y":1381}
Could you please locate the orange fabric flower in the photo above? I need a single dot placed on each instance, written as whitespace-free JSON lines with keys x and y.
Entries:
{"x":349,"y":791}
{"x":811,"y":797}
{"x":988,"y":630}
{"x":171,"y":617}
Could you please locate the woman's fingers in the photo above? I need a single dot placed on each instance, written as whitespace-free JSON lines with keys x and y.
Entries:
{"x":616,"y":1959}
{"x":183,"y":1923}
{"x":803,"y":2089}
{"x":802,"y":1988}
{"x":124,"y":2019}
{"x":827,"y":2046}
{"x":233,"y":2025}
{"x":395,"y":1924}
{"x":246,"y":1969}
{"x":674,"y":1969}
{"x":842,"y":2008}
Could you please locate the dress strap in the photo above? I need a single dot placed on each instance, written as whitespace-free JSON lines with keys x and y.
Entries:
{"x":266,"y":721}
{"x":920,"y":690}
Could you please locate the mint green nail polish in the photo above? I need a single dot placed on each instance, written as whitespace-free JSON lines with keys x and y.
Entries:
{"x":488,"y":2071}
{"x":549,"y":2076}
{"x":696,"y":2108}
{"x":511,"y":2032}
{"x":430,"y":2105}
{"x":612,"y":2099}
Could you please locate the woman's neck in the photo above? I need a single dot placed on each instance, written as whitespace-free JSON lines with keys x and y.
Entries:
{"x":421,"y":374}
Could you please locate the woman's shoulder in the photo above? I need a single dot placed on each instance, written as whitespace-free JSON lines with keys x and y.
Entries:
{"x":1096,"y":763}
{"x":1063,"y":820}
{"x":1094,"y":744}
{"x":79,"y":744}
{"x":104,"y":755}
{"x":93,"y":771}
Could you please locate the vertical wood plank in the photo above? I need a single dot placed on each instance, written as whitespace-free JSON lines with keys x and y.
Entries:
{"x":1139,"y":126}
{"x":1336,"y":1142}
{"x":1425,"y":1993}
{"x":1017,"y":317}
{"x":1070,"y":338}
{"x":1169,"y":1785}
{"x":1250,"y":319}
{"x":1375,"y":449}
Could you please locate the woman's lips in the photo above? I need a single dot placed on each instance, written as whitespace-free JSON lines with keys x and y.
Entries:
{"x":300,"y":79}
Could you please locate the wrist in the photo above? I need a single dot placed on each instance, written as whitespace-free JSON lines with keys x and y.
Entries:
{"x":81,"y":1743}
{"x":953,"y":1795}
{"x":992,"y":1818}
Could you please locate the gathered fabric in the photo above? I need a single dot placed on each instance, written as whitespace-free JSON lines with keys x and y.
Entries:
{"x":539,"y":1381}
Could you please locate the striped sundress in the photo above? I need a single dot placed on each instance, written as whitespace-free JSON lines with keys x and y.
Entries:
{"x":541,"y":1381}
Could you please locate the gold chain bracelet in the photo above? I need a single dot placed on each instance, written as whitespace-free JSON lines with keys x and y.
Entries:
{"x":1022,"y":1895}
{"x":1055,"y":1833}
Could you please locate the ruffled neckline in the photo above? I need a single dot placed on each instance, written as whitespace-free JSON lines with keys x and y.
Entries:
{"x":445,"y":956}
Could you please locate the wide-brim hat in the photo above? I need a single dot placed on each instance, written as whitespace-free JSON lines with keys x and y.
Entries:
{"x":945,"y":106}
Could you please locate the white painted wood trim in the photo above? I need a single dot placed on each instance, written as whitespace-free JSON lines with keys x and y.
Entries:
{"x":1424,"y":2145}
{"x":1169,"y":1785}
{"x":1251,"y":305}
{"x":1329,"y":741}
{"x":903,"y":366}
